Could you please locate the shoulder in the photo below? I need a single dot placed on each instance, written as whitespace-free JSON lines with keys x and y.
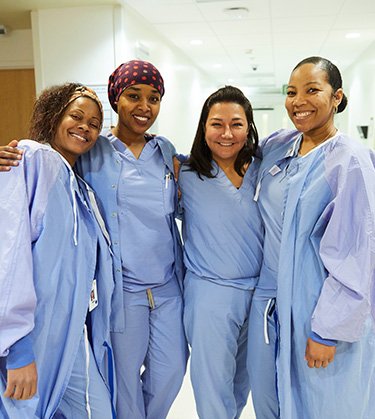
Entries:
{"x":38,"y":154}
{"x":278,"y":140}
{"x":166,"y":145}
{"x":349,"y":153}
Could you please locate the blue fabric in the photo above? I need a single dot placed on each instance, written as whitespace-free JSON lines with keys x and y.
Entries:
{"x":145,"y":229}
{"x":223,"y":237}
{"x":316,"y":338}
{"x":215,"y":319}
{"x":325,"y":277}
{"x":20,"y":353}
{"x":221,"y":227}
{"x":75,"y":403}
{"x":45,"y":190}
{"x":157,"y":342}
{"x":101,"y":168}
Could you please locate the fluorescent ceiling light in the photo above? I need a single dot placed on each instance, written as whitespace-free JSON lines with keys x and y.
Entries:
{"x":352,"y":35}
{"x":196,"y":42}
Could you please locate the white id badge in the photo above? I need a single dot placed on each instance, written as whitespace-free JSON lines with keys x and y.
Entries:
{"x":93,"y":296}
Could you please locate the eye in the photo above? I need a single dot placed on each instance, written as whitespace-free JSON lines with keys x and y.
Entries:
{"x":154,"y":99}
{"x":238,"y":125}
{"x":94,"y":125}
{"x":312,"y":90}
{"x":290,"y":93}
{"x":75,"y":116}
{"x":133,"y":96}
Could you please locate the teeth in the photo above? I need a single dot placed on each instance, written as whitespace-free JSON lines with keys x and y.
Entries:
{"x":79,"y":137}
{"x":302,"y":114}
{"x":226,"y":144}
{"x":141,"y":118}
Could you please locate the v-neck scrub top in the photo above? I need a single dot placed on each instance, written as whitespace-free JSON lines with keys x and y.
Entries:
{"x":146,"y":199}
{"x":222,"y":230}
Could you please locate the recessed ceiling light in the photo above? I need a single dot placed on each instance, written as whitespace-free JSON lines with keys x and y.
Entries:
{"x":217,"y":65}
{"x":237,"y":12}
{"x":196,"y":42}
{"x":352,"y":35}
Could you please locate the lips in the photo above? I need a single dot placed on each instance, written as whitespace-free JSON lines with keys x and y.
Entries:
{"x":140,"y":118}
{"x":79,"y":137}
{"x":302,"y":115}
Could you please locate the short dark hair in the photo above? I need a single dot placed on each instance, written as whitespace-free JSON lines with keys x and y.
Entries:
{"x":200,"y":159}
{"x":333,"y":76}
{"x":48,"y":111}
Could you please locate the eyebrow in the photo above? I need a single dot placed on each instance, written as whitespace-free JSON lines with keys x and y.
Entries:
{"x":220,"y":119}
{"x":306,"y":84}
{"x":137,"y":89}
{"x":83,"y":112}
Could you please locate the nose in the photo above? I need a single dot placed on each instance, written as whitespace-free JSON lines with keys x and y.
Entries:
{"x":299,"y":99}
{"x":84,"y":126}
{"x":227,"y":132}
{"x":143,"y":104}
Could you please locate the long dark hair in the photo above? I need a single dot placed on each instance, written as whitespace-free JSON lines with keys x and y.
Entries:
{"x":333,"y":76}
{"x":200,"y":159}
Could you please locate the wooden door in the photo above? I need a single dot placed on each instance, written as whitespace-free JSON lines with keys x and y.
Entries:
{"x":17,"y":96}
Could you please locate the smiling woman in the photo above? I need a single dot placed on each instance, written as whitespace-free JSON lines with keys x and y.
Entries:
{"x":53,"y":343}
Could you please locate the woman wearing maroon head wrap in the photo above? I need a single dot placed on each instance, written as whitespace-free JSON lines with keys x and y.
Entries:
{"x":132,"y":174}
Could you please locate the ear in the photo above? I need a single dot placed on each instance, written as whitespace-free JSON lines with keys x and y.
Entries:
{"x":338,"y":95}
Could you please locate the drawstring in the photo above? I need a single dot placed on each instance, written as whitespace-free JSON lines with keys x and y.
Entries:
{"x":88,"y":408}
{"x":267,"y":311}
{"x":75,"y":215}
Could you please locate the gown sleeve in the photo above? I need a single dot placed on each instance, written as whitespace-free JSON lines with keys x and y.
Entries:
{"x":347,"y":250}
{"x":23,"y":198}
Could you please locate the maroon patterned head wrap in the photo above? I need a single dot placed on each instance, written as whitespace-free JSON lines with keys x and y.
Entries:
{"x":133,"y":72}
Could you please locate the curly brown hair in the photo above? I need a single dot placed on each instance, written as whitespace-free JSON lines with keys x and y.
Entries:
{"x":48,"y":111}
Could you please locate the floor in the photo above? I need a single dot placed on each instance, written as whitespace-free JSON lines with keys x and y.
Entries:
{"x":184,"y":407}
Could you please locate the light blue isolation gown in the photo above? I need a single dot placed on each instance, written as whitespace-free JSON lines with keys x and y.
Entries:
{"x":51,"y":248}
{"x":223,"y":238}
{"x":137,"y":198}
{"x":319,"y":263}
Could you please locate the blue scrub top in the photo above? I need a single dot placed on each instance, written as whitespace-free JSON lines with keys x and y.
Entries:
{"x":222,"y":228}
{"x":145,"y":199}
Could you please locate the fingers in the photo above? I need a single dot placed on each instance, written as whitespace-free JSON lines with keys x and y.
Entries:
{"x":9,"y":156}
{"x":21,"y":382}
{"x":318,"y":355}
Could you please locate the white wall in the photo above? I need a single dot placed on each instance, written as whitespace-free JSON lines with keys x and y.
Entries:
{"x":359,"y":84}
{"x":186,"y":86}
{"x":16,"y":50}
{"x":85,"y":44}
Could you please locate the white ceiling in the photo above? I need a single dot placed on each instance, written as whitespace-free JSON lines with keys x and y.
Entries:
{"x":258,"y":50}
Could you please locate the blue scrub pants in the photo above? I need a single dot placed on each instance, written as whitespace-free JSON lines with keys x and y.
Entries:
{"x":215,"y":321}
{"x":86,"y":396}
{"x":261,"y":362}
{"x":153,"y":338}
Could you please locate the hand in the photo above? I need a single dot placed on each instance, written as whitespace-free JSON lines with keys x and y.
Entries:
{"x":176,"y":167}
{"x":22,"y":382}
{"x":318,"y":355}
{"x":9,"y":156}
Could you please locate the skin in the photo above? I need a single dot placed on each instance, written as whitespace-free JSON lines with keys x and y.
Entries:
{"x":226,"y":131}
{"x":78,"y":129}
{"x":311,"y":104}
{"x":76,"y":134}
{"x":138,"y":107}
{"x":22,"y":382}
